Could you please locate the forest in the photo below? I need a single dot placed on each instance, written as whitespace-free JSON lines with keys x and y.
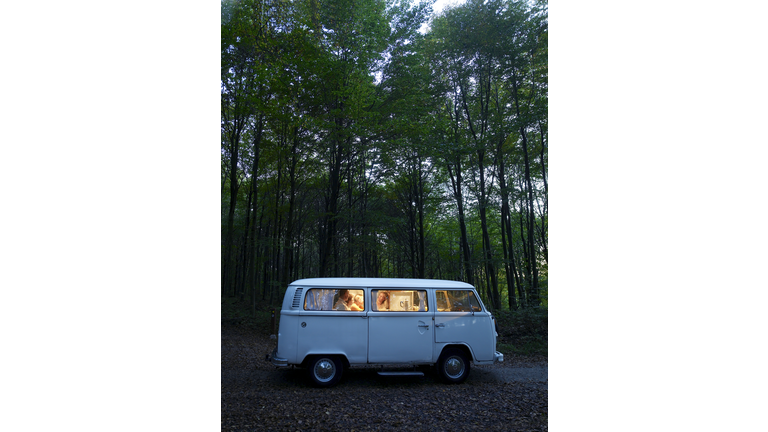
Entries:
{"x":377,"y":138}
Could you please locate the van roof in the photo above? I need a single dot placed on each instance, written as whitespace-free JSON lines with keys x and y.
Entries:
{"x":380,"y":283}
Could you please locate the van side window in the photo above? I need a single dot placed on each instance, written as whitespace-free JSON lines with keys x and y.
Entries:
{"x":319,"y":299}
{"x":457,"y":301}
{"x":399,"y":301}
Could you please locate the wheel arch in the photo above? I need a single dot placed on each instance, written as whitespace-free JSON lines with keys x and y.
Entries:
{"x":464,"y":347}
{"x":307,"y":358}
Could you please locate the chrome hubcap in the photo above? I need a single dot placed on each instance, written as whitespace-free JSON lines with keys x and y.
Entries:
{"x":325,"y":370}
{"x":454,"y":367}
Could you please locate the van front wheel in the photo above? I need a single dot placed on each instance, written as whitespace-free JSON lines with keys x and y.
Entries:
{"x":325,"y":371}
{"x":453,"y":366}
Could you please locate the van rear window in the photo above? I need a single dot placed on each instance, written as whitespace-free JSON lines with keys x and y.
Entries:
{"x":324,"y":299}
{"x":399,"y":301}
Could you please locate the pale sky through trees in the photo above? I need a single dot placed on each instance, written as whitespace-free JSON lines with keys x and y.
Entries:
{"x":441,"y":4}
{"x":437,"y":8}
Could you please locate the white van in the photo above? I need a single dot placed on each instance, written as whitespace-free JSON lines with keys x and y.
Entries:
{"x":329,"y":324}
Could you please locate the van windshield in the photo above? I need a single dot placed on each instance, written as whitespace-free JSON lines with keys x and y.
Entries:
{"x":457,"y":301}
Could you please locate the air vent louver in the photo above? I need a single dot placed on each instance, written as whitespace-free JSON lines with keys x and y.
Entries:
{"x":297,"y":298}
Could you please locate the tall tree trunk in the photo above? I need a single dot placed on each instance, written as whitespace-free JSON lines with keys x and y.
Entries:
{"x":228,"y":273}
{"x":288,"y":238}
{"x":420,"y":203}
{"x":243,"y":281}
{"x":330,"y":219}
{"x":531,"y":262}
{"x":509,"y":263}
{"x":489,"y":265}
{"x":266,"y":258}
{"x":544,"y":218}
{"x":524,"y":288}
{"x":483,"y":204}
{"x":456,"y":185}
{"x":329,"y":222}
{"x":350,"y":224}
{"x":252,"y":265}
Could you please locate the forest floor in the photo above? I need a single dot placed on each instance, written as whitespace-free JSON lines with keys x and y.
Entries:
{"x":256,"y":396}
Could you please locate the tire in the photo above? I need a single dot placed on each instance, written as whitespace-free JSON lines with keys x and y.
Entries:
{"x":325,"y":371}
{"x":453,"y":366}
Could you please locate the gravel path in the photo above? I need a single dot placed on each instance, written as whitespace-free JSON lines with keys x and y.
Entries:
{"x":512,"y":374}
{"x":478,"y":374}
{"x":256,"y":396}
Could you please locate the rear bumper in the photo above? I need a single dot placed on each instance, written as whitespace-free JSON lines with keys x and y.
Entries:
{"x":498,"y":357}
{"x":277,"y":361}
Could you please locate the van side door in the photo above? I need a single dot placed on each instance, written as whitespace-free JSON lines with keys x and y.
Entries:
{"x":400,"y":326}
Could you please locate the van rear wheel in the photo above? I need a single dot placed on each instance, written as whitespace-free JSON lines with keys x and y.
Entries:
{"x":453,"y":366}
{"x":325,"y":371}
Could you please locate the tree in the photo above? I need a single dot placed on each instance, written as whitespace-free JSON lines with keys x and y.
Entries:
{"x":357,"y":143}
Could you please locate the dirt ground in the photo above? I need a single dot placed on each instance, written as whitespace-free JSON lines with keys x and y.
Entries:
{"x":257,"y":396}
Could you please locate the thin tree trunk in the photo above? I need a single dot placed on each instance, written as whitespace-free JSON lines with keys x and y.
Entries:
{"x":228,"y":273}
{"x":546,"y":193}
{"x":456,"y":184}
{"x":483,"y":204}
{"x":507,"y":248}
{"x":531,"y":262}
{"x":252,"y":247}
{"x":288,"y":238}
{"x":331,"y":213}
{"x":420,"y":204}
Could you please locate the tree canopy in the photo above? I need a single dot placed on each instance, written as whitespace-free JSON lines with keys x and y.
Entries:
{"x":357,"y":141}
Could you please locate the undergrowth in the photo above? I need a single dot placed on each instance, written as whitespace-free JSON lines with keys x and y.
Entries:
{"x":523,"y":331}
{"x":237,"y":312}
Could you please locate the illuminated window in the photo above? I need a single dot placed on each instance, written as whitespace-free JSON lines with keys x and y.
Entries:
{"x":324,"y":299}
{"x":399,"y":301}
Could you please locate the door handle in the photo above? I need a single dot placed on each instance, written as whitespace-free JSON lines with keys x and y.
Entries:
{"x":424,"y":325}
{"x":440,"y":325}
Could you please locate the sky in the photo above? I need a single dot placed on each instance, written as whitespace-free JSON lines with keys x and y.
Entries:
{"x":440,"y":4}
{"x":438,"y":7}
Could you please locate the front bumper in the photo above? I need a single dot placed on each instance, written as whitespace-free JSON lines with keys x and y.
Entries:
{"x":279,"y":362}
{"x":498,"y":357}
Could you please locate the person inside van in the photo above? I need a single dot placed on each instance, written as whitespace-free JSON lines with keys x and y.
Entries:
{"x":357,"y":303}
{"x":344,"y":301}
{"x":382,"y":301}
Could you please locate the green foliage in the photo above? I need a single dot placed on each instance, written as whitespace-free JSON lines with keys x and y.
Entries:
{"x":523,"y":331}
{"x":345,"y":129}
{"x":239,"y":313}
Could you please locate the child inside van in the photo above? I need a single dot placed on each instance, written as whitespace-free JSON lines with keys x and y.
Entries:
{"x":357,"y":303}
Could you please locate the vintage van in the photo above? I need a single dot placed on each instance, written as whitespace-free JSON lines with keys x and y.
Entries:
{"x":329,"y":324}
